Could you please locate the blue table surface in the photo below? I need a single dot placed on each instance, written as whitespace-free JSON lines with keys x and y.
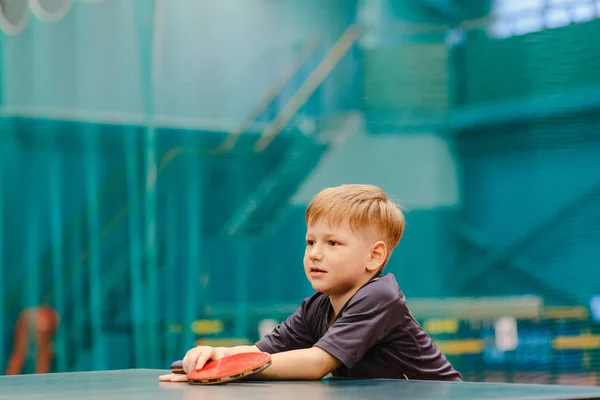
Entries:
{"x":144,"y":384}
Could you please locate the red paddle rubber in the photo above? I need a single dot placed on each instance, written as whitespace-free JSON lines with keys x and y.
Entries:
{"x":229,"y":368}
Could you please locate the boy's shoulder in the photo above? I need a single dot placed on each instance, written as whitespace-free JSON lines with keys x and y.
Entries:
{"x":378,"y":293}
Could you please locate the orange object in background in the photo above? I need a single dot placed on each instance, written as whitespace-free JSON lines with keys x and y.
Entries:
{"x":34,"y":330}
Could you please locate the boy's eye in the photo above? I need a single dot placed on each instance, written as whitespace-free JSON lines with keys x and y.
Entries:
{"x":332,"y":243}
{"x":310,"y":242}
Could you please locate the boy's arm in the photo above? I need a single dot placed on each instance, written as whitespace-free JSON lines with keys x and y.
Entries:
{"x":311,"y":363}
{"x":303,"y":364}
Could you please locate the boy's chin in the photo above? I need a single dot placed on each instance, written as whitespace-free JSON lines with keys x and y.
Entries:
{"x":319,"y":287}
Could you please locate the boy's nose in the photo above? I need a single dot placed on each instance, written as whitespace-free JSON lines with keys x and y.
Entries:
{"x":315,"y":254}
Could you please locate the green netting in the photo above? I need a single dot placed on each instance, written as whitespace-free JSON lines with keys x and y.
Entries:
{"x":526,"y":128}
{"x":545,"y":64}
{"x":406,"y":85}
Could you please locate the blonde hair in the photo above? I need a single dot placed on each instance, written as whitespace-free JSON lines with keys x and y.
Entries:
{"x":367,"y":208}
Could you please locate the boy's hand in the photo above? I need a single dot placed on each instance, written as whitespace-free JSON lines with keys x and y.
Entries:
{"x":200,"y":355}
{"x":195,"y":359}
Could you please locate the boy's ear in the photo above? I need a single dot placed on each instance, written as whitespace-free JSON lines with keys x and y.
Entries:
{"x":377,"y":256}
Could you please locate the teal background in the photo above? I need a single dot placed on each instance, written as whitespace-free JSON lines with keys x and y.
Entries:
{"x":117,"y":210}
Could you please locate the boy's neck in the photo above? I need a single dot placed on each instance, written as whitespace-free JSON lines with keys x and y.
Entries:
{"x":338,"y":302}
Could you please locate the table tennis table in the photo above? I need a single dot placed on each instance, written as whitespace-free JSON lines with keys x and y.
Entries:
{"x":143,"y":384}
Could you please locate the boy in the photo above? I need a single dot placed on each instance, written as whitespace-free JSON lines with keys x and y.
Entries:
{"x":357,"y":324}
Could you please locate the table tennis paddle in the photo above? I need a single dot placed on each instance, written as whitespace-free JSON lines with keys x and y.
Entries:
{"x":177,"y":367}
{"x":225,"y":369}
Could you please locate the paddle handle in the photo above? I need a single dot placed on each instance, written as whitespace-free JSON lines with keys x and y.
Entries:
{"x":177,"y":367}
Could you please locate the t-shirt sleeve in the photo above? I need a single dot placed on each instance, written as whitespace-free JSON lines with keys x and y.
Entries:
{"x":363,"y":324}
{"x":292,"y":334}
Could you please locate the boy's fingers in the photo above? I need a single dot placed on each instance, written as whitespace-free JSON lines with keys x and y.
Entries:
{"x":198,"y":356}
{"x":189,"y":361}
{"x":173,"y":378}
{"x":179,"y":378}
{"x":203,"y":358}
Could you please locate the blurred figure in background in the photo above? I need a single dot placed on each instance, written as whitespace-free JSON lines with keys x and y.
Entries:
{"x":34,"y":331}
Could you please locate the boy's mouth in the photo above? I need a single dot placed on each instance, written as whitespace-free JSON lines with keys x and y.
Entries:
{"x":315,"y":269}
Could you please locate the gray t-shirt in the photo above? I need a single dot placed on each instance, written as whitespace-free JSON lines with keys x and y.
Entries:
{"x":373,"y":336}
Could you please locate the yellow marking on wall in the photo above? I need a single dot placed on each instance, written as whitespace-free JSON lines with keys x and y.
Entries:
{"x":565,"y":313}
{"x":581,"y":342}
{"x":437,"y":326}
{"x":207,"y":326}
{"x":460,"y":346}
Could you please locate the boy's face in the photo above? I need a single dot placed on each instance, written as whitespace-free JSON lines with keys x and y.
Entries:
{"x":337,"y":260}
